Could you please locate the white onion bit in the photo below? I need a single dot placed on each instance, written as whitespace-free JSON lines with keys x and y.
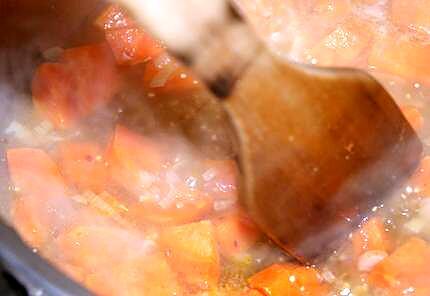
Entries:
{"x":369,"y":259}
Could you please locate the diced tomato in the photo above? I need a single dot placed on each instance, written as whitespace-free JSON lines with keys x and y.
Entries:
{"x":420,"y":181}
{"x":101,"y":251}
{"x":186,"y":207}
{"x":32,"y":230}
{"x":114,"y":17}
{"x":149,"y":276}
{"x":52,"y":87}
{"x":93,"y":66}
{"x":288,"y":279}
{"x":220,"y":178}
{"x":83,"y":165}
{"x":343,"y":45}
{"x":133,"y":160}
{"x":411,"y":14}
{"x":133,"y":46}
{"x":371,"y":237}
{"x":135,"y":163}
{"x":98,"y":246}
{"x":84,"y":79}
{"x":401,"y":56}
{"x":414,"y":117}
{"x":164,"y":75}
{"x":33,"y":172}
{"x":235,"y":233}
{"x":43,"y":206}
{"x":407,"y":268}
{"x":192,"y":253}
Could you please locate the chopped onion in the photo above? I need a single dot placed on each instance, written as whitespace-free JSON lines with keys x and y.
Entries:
{"x":166,"y":67}
{"x":209,"y":174}
{"x":368,"y":260}
{"x":223,"y":204}
{"x":328,"y":276}
{"x":416,"y":225}
{"x":18,"y":130}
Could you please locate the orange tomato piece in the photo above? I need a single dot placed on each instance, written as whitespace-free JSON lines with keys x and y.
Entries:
{"x":85,"y":63}
{"x":66,"y":91}
{"x":43,"y":206}
{"x":149,"y":276}
{"x":420,"y":181}
{"x":52,"y":88}
{"x":343,"y":45}
{"x":371,"y":237}
{"x":407,"y":268}
{"x":192,"y":253}
{"x":31,"y":229}
{"x":133,"y":160}
{"x":411,"y":14}
{"x":33,"y":172}
{"x":414,"y":117}
{"x":187,"y":207}
{"x":235,"y":233}
{"x":93,"y":247}
{"x":164,"y":75}
{"x":288,"y":279}
{"x":83,"y":165}
{"x":133,"y":46}
{"x":100,"y":251}
{"x":114,"y":17}
{"x":401,"y":56}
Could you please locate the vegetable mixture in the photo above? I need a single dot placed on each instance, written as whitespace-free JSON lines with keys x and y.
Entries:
{"x":129,"y":212}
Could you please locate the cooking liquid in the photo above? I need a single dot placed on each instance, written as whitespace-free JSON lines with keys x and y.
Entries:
{"x":354,"y":33}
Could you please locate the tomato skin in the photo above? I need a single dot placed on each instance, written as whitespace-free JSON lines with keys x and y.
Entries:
{"x":133,"y":46}
{"x":84,"y":79}
{"x":288,"y":279}
{"x":192,"y":253}
{"x":407,"y":267}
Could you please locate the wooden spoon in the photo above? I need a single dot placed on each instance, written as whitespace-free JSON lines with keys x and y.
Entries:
{"x":318,"y":148}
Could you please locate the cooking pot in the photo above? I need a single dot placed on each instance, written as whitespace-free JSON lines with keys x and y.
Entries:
{"x":29,"y":29}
